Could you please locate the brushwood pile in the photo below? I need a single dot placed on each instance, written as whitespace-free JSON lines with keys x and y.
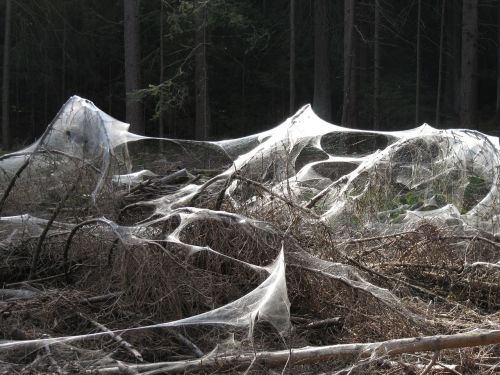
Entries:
{"x":271,"y":253}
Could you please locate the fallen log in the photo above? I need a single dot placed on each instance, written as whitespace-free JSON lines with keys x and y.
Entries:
{"x":311,"y":354}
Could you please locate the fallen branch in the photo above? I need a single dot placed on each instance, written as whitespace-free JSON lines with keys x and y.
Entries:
{"x":273,"y":194}
{"x":123,"y":344}
{"x":325,"y":322}
{"x":308,"y":355}
{"x":75,"y":229}
{"x":430,"y":365}
{"x":41,"y":240}
{"x":51,"y":359}
{"x":13,"y":294}
{"x":25,"y":282}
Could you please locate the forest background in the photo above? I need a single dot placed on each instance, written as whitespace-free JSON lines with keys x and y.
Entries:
{"x":211,"y":69}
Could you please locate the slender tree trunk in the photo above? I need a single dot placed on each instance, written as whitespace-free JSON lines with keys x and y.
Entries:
{"x":453,"y":57}
{"x":110,"y":90}
{"x":243,"y":89}
{"x":349,"y":51}
{"x":376,"y":68}
{"x":161,"y":132}
{"x":132,"y":65}
{"x":63,"y":56}
{"x":469,"y":64}
{"x":440,"y":65}
{"x":292,"y":57}
{"x":353,"y":107}
{"x":498,"y":69}
{"x":6,"y":77}
{"x":417,"y":83}
{"x":322,"y":70}
{"x":202,"y":125}
{"x":46,"y":83}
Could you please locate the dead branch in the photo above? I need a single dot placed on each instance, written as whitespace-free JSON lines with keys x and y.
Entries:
{"x":308,"y":355}
{"x":51,"y":358}
{"x":184,"y":340}
{"x":25,"y":282}
{"x":41,"y":239}
{"x":27,"y":161}
{"x":75,"y":229}
{"x":273,"y":194}
{"x":13,"y":182}
{"x":471,"y":238}
{"x":431,"y":363}
{"x":116,"y":337}
{"x":10,"y":294}
{"x":387,"y":236}
{"x":324,"y":322}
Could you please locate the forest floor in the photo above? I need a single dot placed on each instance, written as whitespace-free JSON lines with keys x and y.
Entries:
{"x":340,"y":321}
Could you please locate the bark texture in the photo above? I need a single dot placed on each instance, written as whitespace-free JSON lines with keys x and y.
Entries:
{"x":376,"y":67}
{"x":292,"y":57}
{"x":132,"y":49}
{"x":349,"y":109}
{"x":202,"y":125}
{"x":322,"y":70}
{"x":6,"y":77}
{"x":468,"y":90}
{"x":319,"y":354}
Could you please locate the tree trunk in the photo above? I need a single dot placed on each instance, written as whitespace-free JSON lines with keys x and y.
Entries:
{"x":468,"y":91}
{"x":161,"y":132}
{"x":498,"y":69}
{"x":63,"y":56}
{"x":440,"y":65}
{"x":6,"y":77}
{"x":376,"y":68}
{"x":417,"y":83}
{"x":132,"y":65}
{"x":349,"y":102}
{"x":292,"y":57}
{"x":453,"y":58}
{"x":322,"y":71}
{"x":202,"y":125}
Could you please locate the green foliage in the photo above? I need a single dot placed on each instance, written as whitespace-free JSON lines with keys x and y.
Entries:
{"x":475,"y":191}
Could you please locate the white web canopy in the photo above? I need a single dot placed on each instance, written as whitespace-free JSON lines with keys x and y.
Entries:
{"x":343,"y":177}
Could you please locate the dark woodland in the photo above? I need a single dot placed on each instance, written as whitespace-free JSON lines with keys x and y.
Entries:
{"x":176,"y":199}
{"x":225,"y":68}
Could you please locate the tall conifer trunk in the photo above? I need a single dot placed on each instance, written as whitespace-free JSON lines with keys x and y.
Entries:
{"x":349,"y":100}
{"x":440,"y":64}
{"x":376,"y":68}
{"x":6,"y":77}
{"x":322,"y":70}
{"x":468,"y":89}
{"x":417,"y":83}
{"x":292,"y":57}
{"x":132,"y":50}
{"x":498,"y":64}
{"x":202,"y":125}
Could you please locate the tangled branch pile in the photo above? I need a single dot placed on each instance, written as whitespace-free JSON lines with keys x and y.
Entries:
{"x":308,"y":247}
